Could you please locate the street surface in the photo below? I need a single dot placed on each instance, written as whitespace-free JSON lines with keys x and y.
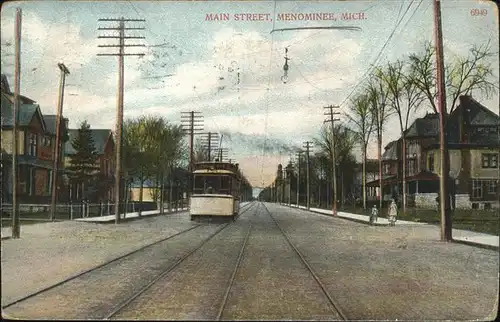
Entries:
{"x":358,"y":272}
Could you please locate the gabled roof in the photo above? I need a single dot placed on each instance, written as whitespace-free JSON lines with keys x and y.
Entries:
{"x":477,"y":113}
{"x":25,"y":115}
{"x":390,"y":152}
{"x":51,"y":121}
{"x":427,"y":126}
{"x":5,"y":84}
{"x":100,"y":137}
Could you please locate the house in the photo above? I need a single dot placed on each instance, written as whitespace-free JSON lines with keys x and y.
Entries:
{"x":371,"y":175}
{"x":473,"y":144}
{"x":35,"y":155}
{"x":105,"y":164}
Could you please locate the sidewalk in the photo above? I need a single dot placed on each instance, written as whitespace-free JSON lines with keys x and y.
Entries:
{"x":6,"y":231}
{"x":463,"y":236}
{"x":129,"y":215}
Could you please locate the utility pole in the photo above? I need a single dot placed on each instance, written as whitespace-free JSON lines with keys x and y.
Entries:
{"x":16,"y":227}
{"x":119,"y":110}
{"x":298,"y":176}
{"x":289,"y":180}
{"x":57,"y":147}
{"x":332,"y":120}
{"x":307,"y":147}
{"x":192,"y":123}
{"x":446,"y":232}
{"x":210,"y":141}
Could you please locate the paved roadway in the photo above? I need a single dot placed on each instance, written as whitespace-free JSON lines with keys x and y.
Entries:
{"x":369,"y":272}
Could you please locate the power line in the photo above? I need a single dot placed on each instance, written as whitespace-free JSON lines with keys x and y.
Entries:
{"x":379,"y":54}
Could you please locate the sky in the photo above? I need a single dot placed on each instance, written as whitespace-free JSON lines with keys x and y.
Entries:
{"x":192,"y":64}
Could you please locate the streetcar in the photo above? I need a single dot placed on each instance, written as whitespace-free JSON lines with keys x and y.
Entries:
{"x":216,"y":190}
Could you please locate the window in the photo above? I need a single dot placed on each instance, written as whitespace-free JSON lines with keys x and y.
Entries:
{"x":387,"y":168}
{"x":47,"y":141}
{"x":477,"y":189}
{"x":212,"y":184}
{"x":411,"y":166}
{"x":49,"y":180}
{"x":430,"y":161}
{"x":492,"y":187}
{"x":489,"y":160}
{"x":32,"y":144}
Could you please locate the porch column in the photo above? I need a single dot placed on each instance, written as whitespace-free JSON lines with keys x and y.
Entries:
{"x":416,"y":187}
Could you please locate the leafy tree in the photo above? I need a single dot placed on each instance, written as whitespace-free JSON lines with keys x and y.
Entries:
{"x":83,"y":162}
{"x":343,"y":143}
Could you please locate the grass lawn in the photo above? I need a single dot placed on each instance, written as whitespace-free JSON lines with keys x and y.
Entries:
{"x":483,"y":221}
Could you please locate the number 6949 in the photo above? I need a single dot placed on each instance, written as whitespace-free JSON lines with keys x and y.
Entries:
{"x":478,"y":12}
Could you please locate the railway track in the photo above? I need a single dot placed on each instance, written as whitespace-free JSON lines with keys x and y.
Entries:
{"x":334,"y":306}
{"x":231,"y":281}
{"x":124,"y":256}
{"x":128,"y":301}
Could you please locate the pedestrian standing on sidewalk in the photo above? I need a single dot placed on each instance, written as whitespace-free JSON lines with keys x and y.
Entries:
{"x":374,"y":215}
{"x":393,"y":213}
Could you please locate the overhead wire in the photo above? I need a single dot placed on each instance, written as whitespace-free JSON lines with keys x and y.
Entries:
{"x":370,"y":69}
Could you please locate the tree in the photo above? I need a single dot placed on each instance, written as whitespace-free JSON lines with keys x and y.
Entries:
{"x":377,"y":93}
{"x":462,"y":75}
{"x":151,"y":148}
{"x":343,"y":144}
{"x":404,"y":97}
{"x":361,"y":117}
{"x":83,"y":162}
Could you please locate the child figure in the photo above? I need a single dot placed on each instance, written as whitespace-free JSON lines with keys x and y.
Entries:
{"x":393,"y":213}
{"x":374,"y":214}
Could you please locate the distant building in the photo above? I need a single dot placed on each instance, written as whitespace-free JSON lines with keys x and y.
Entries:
{"x":473,"y":143}
{"x":371,"y":175}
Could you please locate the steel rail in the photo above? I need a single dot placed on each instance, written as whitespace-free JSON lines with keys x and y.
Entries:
{"x":231,"y":281}
{"x":125,"y":303}
{"x":48,"y":288}
{"x":309,"y":268}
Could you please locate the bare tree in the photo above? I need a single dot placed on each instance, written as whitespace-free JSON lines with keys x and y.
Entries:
{"x":463,"y":74}
{"x":404,"y":97}
{"x":377,"y":93}
{"x":359,"y":114}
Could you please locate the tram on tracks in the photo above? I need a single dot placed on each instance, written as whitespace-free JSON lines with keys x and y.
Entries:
{"x":216,"y":190}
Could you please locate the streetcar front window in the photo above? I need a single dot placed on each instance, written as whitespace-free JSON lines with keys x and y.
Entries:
{"x":212,"y":184}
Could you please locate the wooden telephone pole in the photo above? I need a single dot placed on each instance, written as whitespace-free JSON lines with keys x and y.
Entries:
{"x":210,"y":141}
{"x":57,"y":146}
{"x":332,"y":120}
{"x":119,"y":110}
{"x":308,"y":147}
{"x":192,"y":123}
{"x":16,"y":227}
{"x":444,"y":199}
{"x":299,"y":153}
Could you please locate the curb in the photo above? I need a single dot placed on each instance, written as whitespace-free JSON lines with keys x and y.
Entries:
{"x":474,"y":244}
{"x":458,"y":241}
{"x":133,"y":218}
{"x":341,"y":217}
